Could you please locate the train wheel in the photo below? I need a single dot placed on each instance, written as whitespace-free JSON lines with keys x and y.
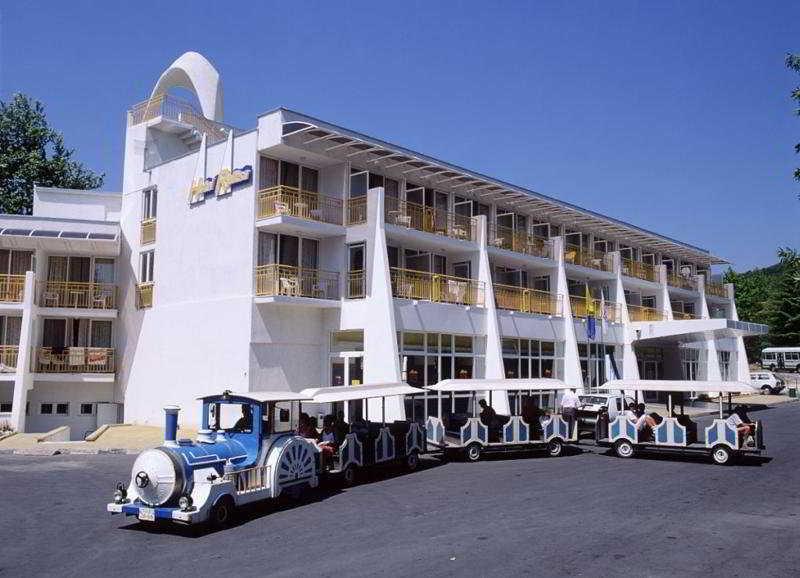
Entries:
{"x":623,"y":448}
{"x":349,"y":476}
{"x":721,"y":455}
{"x":412,"y":461}
{"x":473,"y":452}
{"x":555,"y":448}
{"x":222,"y":512}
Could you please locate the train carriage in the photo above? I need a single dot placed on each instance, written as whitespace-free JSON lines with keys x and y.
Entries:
{"x":457,"y":427}
{"x":677,"y":433}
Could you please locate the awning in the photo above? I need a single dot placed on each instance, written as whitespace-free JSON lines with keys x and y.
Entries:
{"x":541,"y":384}
{"x":261,"y":396}
{"x":694,"y":330}
{"x":354,"y":392}
{"x":669,"y":385}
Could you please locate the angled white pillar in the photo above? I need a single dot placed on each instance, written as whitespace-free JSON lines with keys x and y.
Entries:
{"x":665,"y":303}
{"x":23,"y":379}
{"x":713,"y":372}
{"x":630,"y":366}
{"x":573,"y":375}
{"x":742,"y":363}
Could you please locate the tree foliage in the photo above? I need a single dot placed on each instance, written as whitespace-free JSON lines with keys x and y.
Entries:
{"x":793,"y":63}
{"x":32,"y":152}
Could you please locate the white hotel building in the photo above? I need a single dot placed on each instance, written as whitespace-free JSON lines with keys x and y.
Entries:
{"x":299,"y":253}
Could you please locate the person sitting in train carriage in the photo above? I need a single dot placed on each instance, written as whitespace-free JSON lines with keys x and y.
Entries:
{"x":305,"y":428}
{"x":339,"y":425}
{"x":532,"y":414}
{"x":244,"y":423}
{"x":488,"y":415}
{"x":743,"y":428}
{"x":327,"y":443}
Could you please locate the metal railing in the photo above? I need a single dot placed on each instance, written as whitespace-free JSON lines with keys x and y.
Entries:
{"x":76,"y":295}
{"x":600,"y":310}
{"x":356,"y":284}
{"x":251,"y":479}
{"x":9,"y":354}
{"x":641,"y":313}
{"x":436,"y":221}
{"x":526,"y":300}
{"x":519,"y":241}
{"x":147,"y":234}
{"x":12,"y":288}
{"x":284,"y":200}
{"x":167,"y":106}
{"x":639,"y":270}
{"x":291,"y":281}
{"x":586,"y":258}
{"x":356,"y":211}
{"x":424,"y":286}
{"x":717,"y":289}
{"x":144,"y":295}
{"x":73,"y":360}
{"x":681,"y":281}
{"x":682,"y":315}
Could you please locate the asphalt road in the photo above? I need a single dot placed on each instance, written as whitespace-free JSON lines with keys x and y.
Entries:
{"x":585,"y":514}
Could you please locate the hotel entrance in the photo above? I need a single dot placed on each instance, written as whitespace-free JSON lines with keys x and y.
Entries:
{"x":346,"y":365}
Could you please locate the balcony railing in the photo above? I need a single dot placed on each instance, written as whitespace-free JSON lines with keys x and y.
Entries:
{"x":681,"y":281}
{"x":77,"y":295}
{"x":8,"y":357}
{"x":526,"y":300}
{"x":356,"y":211}
{"x":167,"y":106}
{"x":12,"y":288}
{"x":717,"y":289}
{"x":290,"y":281}
{"x":601,"y":310}
{"x":291,"y":201}
{"x":683,"y":315}
{"x":73,"y":360}
{"x":519,"y":241}
{"x":592,"y":259}
{"x":424,"y":286}
{"x":356,"y":284}
{"x":144,"y":295}
{"x":428,"y":219}
{"x":147,"y":234}
{"x":640,"y":313}
{"x":639,"y":270}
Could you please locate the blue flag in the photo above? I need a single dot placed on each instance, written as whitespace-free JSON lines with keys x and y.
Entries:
{"x":591,"y":328}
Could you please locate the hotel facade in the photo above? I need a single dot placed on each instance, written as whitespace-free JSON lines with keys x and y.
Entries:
{"x":299,"y":253}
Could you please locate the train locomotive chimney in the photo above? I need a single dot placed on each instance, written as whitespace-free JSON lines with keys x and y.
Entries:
{"x":171,"y":425}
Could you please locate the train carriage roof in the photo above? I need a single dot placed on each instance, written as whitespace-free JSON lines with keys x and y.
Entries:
{"x":258,"y":396}
{"x":354,"y":392}
{"x":674,"y":385}
{"x":539,"y":384}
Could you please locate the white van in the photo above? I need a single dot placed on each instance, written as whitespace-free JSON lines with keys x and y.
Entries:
{"x":781,"y":358}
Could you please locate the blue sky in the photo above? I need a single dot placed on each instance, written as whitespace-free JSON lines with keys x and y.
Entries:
{"x":674,"y":116}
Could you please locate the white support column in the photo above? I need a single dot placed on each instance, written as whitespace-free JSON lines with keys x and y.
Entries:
{"x":713,"y":372}
{"x":23,"y":379}
{"x":494,"y":346}
{"x":665,"y":303}
{"x":573,"y":375}
{"x":742,"y":363}
{"x":630,"y":365}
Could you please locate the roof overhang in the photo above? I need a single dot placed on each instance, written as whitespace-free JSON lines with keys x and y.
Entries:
{"x":541,"y":384}
{"x":694,"y":330}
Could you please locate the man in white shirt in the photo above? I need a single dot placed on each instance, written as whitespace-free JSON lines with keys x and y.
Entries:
{"x":569,"y":408}
{"x":745,"y":430}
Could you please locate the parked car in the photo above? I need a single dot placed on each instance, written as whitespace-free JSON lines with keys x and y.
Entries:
{"x":767,"y":382}
{"x":592,"y":403}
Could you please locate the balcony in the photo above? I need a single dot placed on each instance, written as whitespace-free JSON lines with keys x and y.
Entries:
{"x":144,"y":295}
{"x":290,"y":281}
{"x":8,"y":357}
{"x":356,"y":211}
{"x":639,"y":270}
{"x":73,"y":360}
{"x":683,"y":315}
{"x":527,"y":300}
{"x":519,"y":242}
{"x":639,"y":313}
{"x":167,"y":107}
{"x":582,"y":308}
{"x":592,"y":259}
{"x":147,"y":233}
{"x":290,"y":201}
{"x":430,"y":220}
{"x":77,"y":295}
{"x":717,"y":290}
{"x":424,"y":286}
{"x":356,"y":285}
{"x":681,"y":281}
{"x":12,"y":288}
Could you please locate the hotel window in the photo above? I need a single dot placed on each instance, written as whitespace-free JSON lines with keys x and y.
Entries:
{"x":594,"y":367}
{"x":149,"y":203}
{"x":10,"y":330}
{"x":649,"y":258}
{"x":359,"y":182}
{"x":46,"y":409}
{"x":16,"y":262}
{"x":356,"y":269}
{"x":541,"y":230}
{"x":147,"y":266}
{"x":87,"y":409}
{"x":649,"y":301}
{"x":280,"y":249}
{"x":693,"y":363}
{"x":531,"y":358}
{"x":724,"y":359}
{"x":463,"y":270}
{"x":5,"y":407}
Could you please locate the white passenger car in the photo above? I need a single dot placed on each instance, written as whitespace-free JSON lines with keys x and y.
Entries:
{"x":767,"y":382}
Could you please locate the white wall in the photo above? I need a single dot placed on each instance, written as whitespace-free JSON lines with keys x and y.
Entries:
{"x":72,"y":393}
{"x":73,"y":204}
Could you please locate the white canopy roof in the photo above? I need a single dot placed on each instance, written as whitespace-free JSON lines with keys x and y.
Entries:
{"x":353,"y":392}
{"x":540,"y":384}
{"x":674,"y":385}
{"x":264,"y":396}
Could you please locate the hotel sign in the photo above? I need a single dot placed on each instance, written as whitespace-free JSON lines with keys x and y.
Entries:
{"x":224,"y":182}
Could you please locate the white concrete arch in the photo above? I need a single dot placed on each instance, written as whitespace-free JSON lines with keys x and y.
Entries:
{"x":194,"y":72}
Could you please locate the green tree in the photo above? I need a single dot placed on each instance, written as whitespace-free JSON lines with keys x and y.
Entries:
{"x":32,"y":152}
{"x":783,"y":306}
{"x":793,"y":63}
{"x":752,"y":290}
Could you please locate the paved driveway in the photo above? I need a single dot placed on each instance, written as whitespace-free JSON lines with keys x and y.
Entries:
{"x":587,"y":514}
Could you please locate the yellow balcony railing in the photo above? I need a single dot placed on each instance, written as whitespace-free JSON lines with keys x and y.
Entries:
{"x":290,"y":281}
{"x":144,"y":295}
{"x":167,"y":106}
{"x":424,"y":286}
{"x":147,"y":233}
{"x":356,"y":285}
{"x":12,"y":288}
{"x":518,"y":241}
{"x":526,"y":300}
{"x":639,"y":270}
{"x":77,"y":295}
{"x":683,"y":315}
{"x":291,"y":201}
{"x":681,"y":281}
{"x":640,"y":313}
{"x":716,"y":289}
{"x":9,"y":354}
{"x":357,"y":210}
{"x":73,"y":360}
{"x":586,"y":258}
{"x":581,"y":306}
{"x":414,"y":216}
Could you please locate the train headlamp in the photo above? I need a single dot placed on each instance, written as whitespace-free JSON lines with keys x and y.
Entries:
{"x":120,"y":493}
{"x":185,"y":503}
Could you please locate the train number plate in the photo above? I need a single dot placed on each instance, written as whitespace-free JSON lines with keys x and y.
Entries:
{"x":147,"y":514}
